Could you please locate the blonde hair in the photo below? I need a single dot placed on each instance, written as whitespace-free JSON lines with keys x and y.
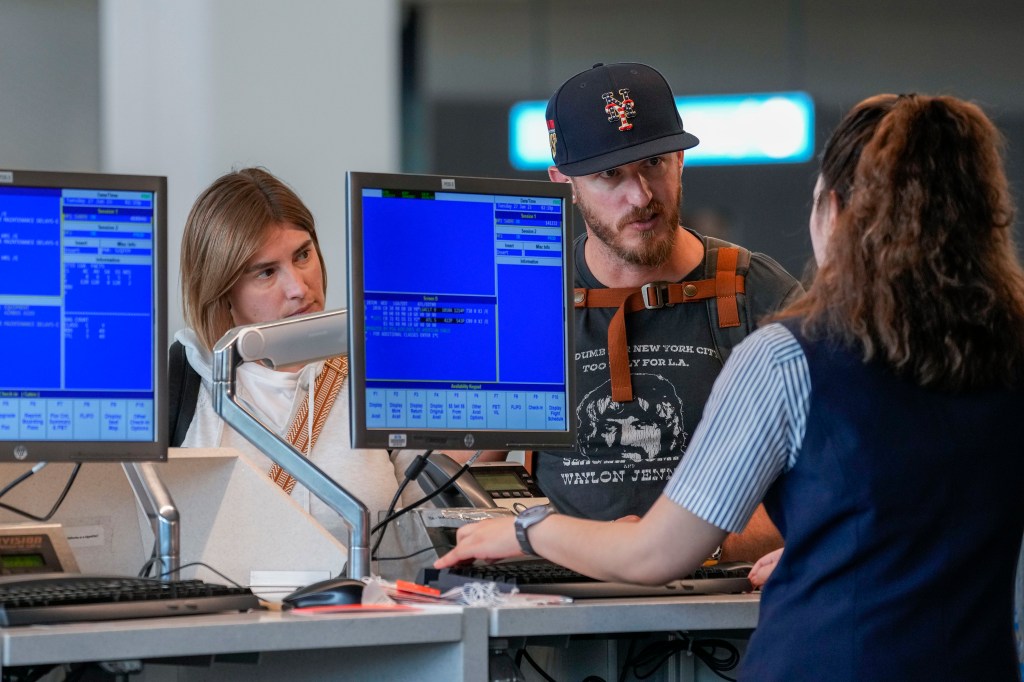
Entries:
{"x":224,"y":229}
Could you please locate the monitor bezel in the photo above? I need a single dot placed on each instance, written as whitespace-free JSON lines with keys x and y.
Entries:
{"x":450,"y":439}
{"x":109,"y":451}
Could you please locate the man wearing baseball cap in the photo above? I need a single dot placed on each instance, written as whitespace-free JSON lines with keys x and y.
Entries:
{"x":658,"y":306}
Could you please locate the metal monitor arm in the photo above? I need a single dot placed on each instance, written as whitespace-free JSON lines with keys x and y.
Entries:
{"x":158,"y":505}
{"x":303,"y":338}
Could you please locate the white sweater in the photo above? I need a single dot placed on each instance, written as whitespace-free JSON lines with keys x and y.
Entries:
{"x":274,"y":397}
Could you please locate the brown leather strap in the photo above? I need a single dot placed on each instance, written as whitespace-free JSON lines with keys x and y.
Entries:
{"x":665,"y":293}
{"x":325,"y":391}
{"x":724,"y":287}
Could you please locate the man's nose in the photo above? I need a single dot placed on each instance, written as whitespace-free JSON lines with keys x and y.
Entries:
{"x":639,"y":190}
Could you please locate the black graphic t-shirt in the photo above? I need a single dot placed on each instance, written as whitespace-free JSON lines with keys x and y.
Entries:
{"x":626,"y":452}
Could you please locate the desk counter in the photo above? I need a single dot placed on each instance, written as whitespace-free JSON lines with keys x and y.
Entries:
{"x":447,"y":643}
{"x":442,"y":643}
{"x":599,"y":616}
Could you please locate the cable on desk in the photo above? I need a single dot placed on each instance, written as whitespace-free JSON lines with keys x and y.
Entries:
{"x":440,"y":489}
{"x":414,"y":469}
{"x":650,"y":659}
{"x":56,"y":505}
{"x":629,"y":657}
{"x":206,"y":566}
{"x":416,"y":553}
{"x":92,"y":672}
{"x":27,"y":673}
{"x":17,"y":481}
{"x":155,"y":562}
{"x":524,"y":654}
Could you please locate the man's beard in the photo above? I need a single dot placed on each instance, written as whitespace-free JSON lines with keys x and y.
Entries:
{"x":655,"y":246}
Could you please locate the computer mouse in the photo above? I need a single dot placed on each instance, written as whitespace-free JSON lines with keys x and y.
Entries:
{"x":330,"y":592}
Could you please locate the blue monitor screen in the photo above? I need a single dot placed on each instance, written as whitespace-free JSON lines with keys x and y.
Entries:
{"x":81,"y":316}
{"x":460,"y":312}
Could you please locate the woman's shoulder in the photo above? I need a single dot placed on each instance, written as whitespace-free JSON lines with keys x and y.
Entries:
{"x":775,"y":340}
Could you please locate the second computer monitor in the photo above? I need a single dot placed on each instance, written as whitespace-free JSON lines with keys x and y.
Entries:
{"x":460,"y":309}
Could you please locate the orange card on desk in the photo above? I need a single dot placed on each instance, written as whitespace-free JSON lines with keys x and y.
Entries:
{"x":416,"y":588}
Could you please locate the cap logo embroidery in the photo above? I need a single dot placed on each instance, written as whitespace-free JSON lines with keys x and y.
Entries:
{"x":552,"y":137}
{"x":619,"y":110}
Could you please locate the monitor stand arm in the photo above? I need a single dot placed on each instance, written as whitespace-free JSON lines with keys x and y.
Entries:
{"x":226,"y":359}
{"x":156,"y":502}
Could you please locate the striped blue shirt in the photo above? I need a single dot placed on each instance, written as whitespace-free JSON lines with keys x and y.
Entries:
{"x":752,"y":430}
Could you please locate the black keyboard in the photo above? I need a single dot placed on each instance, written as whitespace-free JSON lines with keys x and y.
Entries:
{"x":544,"y":577}
{"x":67,"y":597}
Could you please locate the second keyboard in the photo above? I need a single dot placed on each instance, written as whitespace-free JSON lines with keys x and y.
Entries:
{"x":63,"y":598}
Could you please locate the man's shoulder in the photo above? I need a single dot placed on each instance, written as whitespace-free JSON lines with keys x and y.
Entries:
{"x":768,"y":285}
{"x":759,"y":266}
{"x":763,"y":266}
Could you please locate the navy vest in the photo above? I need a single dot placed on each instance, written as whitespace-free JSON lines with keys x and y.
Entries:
{"x":903,"y":519}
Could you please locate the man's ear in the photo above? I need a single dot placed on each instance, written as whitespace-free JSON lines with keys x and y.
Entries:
{"x":557,"y":176}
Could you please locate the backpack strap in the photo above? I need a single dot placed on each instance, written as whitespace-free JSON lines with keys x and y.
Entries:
{"x":732,"y":323}
{"x":724,"y":282}
{"x":183,"y":393}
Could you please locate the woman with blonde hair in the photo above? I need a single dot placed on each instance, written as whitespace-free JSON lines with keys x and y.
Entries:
{"x":250,"y":254}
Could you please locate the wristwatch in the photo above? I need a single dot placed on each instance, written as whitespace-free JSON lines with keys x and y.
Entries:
{"x":529,"y":517}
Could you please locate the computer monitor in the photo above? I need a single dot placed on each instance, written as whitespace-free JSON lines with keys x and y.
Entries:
{"x":83,"y":324}
{"x":460,"y":312}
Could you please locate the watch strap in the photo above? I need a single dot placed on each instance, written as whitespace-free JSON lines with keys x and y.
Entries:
{"x":525,"y":520}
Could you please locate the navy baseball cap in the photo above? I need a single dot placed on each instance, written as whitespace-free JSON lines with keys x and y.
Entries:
{"x":611,"y":115}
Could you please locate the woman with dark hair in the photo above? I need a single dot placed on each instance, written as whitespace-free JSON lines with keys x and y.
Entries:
{"x":873,"y":417}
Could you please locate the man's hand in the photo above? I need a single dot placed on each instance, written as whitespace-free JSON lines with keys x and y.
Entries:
{"x":489,"y":540}
{"x":758,"y":539}
{"x":763,"y":568}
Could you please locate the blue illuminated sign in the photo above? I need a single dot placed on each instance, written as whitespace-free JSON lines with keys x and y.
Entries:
{"x":763,"y":128}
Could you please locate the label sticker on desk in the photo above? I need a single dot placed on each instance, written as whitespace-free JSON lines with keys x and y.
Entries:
{"x":86,"y":536}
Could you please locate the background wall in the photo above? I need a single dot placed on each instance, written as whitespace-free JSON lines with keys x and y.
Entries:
{"x":49,"y":84}
{"x":475,"y":57}
{"x":312,"y":88}
{"x":193,"y":88}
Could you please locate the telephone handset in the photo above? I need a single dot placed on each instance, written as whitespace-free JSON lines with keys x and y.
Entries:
{"x":464,"y":492}
{"x":485,"y":485}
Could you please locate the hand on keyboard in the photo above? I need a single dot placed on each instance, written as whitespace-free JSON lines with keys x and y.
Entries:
{"x":542,"y":576}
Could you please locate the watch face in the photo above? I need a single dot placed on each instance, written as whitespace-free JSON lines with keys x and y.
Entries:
{"x":539,"y":511}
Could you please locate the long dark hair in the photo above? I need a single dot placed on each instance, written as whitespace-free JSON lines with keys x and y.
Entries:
{"x":921,"y":272}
